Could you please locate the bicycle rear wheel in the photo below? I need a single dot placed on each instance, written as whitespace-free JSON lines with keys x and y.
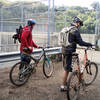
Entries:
{"x":18,"y":74}
{"x":48,"y":68}
{"x":90,"y":73}
{"x":73,"y":86}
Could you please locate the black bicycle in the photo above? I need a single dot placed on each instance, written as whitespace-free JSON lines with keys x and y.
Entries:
{"x":21,"y":71}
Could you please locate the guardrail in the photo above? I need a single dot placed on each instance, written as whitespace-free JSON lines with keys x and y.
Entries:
{"x":13,"y":56}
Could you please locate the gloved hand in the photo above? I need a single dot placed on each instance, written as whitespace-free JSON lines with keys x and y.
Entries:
{"x":40,"y":47}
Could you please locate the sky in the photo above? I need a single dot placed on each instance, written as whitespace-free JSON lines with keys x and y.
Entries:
{"x":83,"y":3}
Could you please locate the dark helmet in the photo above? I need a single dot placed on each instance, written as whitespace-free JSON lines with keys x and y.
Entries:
{"x":76,"y":20}
{"x":31,"y":22}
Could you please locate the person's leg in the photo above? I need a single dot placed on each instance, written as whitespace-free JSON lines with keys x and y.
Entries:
{"x":67,"y":69}
{"x":69,"y":63}
{"x":64,"y":79}
{"x":24,"y":58}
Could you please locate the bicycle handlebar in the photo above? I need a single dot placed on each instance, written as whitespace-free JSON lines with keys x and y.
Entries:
{"x":92,"y":47}
{"x":27,"y":49}
{"x":88,"y":48}
{"x":45,"y":47}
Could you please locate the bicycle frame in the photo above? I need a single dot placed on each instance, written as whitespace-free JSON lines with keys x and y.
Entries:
{"x":41,"y":55}
{"x":85,"y":57}
{"x":83,"y":67}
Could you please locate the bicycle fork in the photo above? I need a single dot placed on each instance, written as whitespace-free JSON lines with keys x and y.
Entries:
{"x":88,"y":69}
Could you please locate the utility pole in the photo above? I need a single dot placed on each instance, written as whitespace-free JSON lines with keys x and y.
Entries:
{"x":97,"y":29}
{"x":48,"y":22}
{"x":1,"y":20}
{"x":53,"y":17}
{"x":22,"y":13}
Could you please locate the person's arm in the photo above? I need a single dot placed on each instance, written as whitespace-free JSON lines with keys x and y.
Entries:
{"x":80,"y":41}
{"x":24,"y":38}
{"x":34,"y":45}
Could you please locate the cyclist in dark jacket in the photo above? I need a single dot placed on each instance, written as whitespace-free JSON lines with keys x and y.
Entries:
{"x":74,"y":38}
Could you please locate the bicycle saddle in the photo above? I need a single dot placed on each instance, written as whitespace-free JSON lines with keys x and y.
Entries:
{"x":75,"y":54}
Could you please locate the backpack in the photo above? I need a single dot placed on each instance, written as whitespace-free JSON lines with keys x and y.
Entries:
{"x":18,"y":34}
{"x":64,"y":35}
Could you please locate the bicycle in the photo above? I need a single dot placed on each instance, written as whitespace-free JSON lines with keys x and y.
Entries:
{"x":77,"y":80}
{"x":19,"y":77}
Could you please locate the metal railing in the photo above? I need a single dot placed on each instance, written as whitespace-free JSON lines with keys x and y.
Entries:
{"x":13,"y":56}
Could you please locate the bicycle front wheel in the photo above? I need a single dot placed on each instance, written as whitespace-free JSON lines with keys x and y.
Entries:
{"x":90,"y":73}
{"x":48,"y":68}
{"x":73,"y":86}
{"x":18,"y":75}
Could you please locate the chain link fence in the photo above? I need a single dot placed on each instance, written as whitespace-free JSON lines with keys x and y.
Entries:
{"x":12,"y":16}
{"x":48,"y":19}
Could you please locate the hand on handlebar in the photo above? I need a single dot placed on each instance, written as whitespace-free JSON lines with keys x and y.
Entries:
{"x":92,"y":46}
{"x":30,"y":48}
{"x":44,"y":47}
{"x":40,"y":47}
{"x":27,"y":49}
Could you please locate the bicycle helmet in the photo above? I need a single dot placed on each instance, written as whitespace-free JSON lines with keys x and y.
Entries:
{"x":31,"y":22}
{"x":76,"y":20}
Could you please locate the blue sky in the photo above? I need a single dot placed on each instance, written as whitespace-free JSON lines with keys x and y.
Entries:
{"x":83,"y":3}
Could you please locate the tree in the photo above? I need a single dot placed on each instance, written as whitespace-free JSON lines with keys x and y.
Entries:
{"x":3,"y":2}
{"x":88,"y":17}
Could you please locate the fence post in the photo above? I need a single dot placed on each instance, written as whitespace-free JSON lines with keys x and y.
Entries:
{"x":1,"y":20}
{"x":48,"y":22}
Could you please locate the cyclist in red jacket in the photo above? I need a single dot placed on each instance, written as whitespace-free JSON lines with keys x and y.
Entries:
{"x":27,"y":44}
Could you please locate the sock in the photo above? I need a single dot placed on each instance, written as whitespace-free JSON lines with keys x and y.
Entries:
{"x":62,"y":86}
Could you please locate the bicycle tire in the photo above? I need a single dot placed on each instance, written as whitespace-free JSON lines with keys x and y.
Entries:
{"x":89,"y":66}
{"x":48,"y":64}
{"x":12,"y":78}
{"x":76,"y":88}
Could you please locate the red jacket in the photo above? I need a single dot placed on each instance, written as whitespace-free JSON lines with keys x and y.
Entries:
{"x":26,"y":39}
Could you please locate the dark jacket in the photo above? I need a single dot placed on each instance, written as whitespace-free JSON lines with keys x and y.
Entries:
{"x":75,"y":39}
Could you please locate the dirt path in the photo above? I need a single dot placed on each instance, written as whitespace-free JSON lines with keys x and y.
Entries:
{"x":40,"y":88}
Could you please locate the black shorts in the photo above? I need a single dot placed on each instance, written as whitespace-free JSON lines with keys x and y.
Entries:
{"x":25,"y":58}
{"x":68,"y":65}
